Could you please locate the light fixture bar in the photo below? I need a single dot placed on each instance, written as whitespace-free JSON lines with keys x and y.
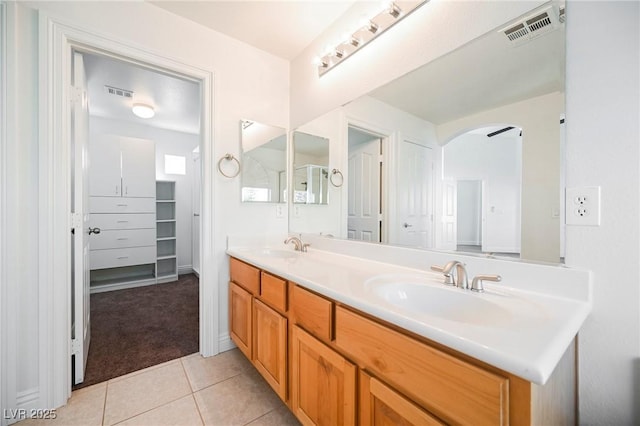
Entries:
{"x":372,"y":29}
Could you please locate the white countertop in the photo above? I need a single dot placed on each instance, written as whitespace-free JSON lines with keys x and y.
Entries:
{"x":527,"y":337}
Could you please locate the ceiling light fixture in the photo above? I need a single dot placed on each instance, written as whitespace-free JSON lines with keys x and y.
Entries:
{"x":368,"y":31}
{"x":143,"y":110}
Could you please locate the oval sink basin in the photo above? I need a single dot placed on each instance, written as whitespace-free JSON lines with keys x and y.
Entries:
{"x":436,"y":300}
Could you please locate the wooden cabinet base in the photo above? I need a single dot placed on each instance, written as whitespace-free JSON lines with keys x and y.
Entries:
{"x":323,"y":383}
{"x":270,"y":347}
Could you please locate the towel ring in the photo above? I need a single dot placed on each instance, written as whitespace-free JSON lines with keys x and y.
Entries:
{"x":229,"y":157}
{"x":335,"y":172}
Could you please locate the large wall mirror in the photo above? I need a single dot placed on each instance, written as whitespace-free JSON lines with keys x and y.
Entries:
{"x":264,"y":162}
{"x":462,"y":154}
{"x":310,"y":169}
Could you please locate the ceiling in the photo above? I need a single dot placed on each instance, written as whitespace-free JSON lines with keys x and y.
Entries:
{"x":486,"y":73}
{"x":283,"y":28}
{"x":176,"y":101}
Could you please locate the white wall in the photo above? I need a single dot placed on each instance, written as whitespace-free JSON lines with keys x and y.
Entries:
{"x":603,"y":134}
{"x":497,"y":162}
{"x":167,"y":142}
{"x":247,"y":83}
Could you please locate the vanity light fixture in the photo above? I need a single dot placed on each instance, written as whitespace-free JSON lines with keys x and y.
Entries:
{"x":369,"y":30}
{"x":143,"y":110}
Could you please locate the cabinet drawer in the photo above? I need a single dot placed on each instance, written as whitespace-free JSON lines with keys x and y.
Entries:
{"x":110,"y":221}
{"x":312,"y":312}
{"x":273,"y":291}
{"x":108,"y":239}
{"x":245,"y":275}
{"x":428,"y":376}
{"x":381,"y":405}
{"x":122,"y":205}
{"x":114,"y":258}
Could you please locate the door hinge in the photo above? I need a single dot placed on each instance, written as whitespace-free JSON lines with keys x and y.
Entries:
{"x":75,"y":347}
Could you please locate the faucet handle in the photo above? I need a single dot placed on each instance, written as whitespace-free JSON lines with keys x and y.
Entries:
{"x":448,"y":278}
{"x":304,"y":247}
{"x":476,"y":284}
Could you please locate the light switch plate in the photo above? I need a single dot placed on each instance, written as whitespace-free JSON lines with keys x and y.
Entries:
{"x":582,"y":206}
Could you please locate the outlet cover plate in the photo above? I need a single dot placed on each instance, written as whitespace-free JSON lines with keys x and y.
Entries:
{"x":582,"y":206}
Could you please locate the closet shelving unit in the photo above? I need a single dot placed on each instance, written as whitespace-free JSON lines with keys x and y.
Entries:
{"x":166,"y":239}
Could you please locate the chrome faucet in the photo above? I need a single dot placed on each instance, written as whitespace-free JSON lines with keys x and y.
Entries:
{"x":298,"y":244}
{"x":454,"y":274}
{"x":476,"y":283}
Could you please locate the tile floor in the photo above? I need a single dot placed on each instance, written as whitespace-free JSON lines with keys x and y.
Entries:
{"x":221,"y":390}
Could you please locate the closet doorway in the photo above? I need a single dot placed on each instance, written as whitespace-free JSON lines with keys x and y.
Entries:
{"x":136,"y":189}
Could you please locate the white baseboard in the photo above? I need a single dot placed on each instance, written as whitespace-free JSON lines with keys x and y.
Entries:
{"x":225,"y":343}
{"x":27,"y":404}
{"x":121,"y":286}
{"x":185,"y":269}
{"x":498,"y":249}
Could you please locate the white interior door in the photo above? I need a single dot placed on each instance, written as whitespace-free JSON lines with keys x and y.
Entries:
{"x":81,"y":317}
{"x":363,"y":212}
{"x":414,"y":195}
{"x":195,"y":228}
{"x":449,"y":215}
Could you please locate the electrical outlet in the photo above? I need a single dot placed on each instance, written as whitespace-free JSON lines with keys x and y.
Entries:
{"x":582,"y":206}
{"x":279,"y":211}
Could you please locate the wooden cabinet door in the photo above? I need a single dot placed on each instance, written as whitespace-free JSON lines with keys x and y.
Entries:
{"x":323,"y":386}
{"x":104,"y":170}
{"x":138,"y":167}
{"x":380,"y":405}
{"x":270,"y":347}
{"x":240,"y":318}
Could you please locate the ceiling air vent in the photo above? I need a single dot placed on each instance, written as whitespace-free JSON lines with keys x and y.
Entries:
{"x":123,"y":93}
{"x":533,"y":26}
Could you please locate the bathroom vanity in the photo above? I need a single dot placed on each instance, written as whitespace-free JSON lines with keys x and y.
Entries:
{"x":327,"y":334}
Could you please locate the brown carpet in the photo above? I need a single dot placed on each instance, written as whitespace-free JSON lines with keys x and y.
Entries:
{"x":136,"y":328}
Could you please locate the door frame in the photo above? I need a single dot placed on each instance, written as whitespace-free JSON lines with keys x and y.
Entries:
{"x":387,"y":141}
{"x":57,"y":39}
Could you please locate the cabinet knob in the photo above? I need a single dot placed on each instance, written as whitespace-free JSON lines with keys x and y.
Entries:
{"x":94,"y":230}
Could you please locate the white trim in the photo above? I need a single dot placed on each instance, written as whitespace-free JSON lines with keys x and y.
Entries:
{"x":185,"y":269}
{"x":56,"y":41}
{"x":122,"y":286}
{"x":225,"y":343}
{"x":28,"y":399}
{"x":5,"y":320}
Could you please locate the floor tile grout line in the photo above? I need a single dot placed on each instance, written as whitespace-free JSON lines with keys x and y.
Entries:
{"x":151,"y":409}
{"x":158,"y":406}
{"x":221,"y":381}
{"x":104,"y":404}
{"x":260,"y":416}
{"x":193,"y":395}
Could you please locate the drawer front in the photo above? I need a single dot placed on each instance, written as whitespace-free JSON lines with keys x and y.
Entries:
{"x":122,"y":205}
{"x":245,"y":275}
{"x":110,"y":221}
{"x":454,"y":390}
{"x":114,"y":258}
{"x":273,"y":291}
{"x":312,"y":312}
{"x":108,"y":239}
{"x":381,"y":405}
